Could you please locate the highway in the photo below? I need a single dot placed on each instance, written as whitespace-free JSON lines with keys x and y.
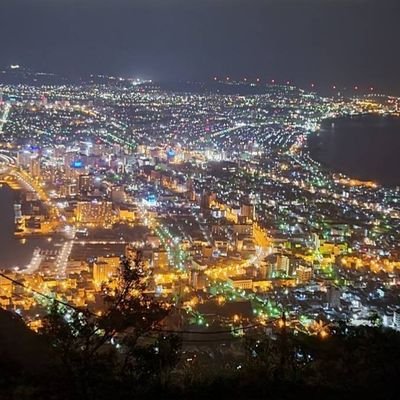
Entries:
{"x":62,"y":259}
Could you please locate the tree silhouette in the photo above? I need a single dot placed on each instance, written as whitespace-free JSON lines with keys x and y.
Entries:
{"x":96,"y":348}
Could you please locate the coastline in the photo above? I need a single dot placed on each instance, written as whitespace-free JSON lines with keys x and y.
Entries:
{"x":337,"y":149}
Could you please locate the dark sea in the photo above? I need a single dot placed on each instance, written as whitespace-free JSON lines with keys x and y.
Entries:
{"x":363,"y":147}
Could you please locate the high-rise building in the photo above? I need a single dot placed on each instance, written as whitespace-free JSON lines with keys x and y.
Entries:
{"x":17,"y":213}
{"x":104,"y":269}
{"x":34,"y":167}
{"x":69,"y":160}
{"x":85,"y":184}
{"x":24,"y":158}
{"x":71,"y":189}
{"x":396,"y":319}
{"x":315,"y":241}
{"x":282,"y":264}
{"x":304,"y":274}
{"x":248,"y":210}
{"x":94,"y":212}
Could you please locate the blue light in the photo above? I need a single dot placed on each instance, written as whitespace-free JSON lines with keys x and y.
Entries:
{"x":170,"y":153}
{"x":151,"y":200}
{"x":77,"y":164}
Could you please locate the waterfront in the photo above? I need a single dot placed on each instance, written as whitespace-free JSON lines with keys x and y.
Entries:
{"x":14,"y":252}
{"x":364,"y":147}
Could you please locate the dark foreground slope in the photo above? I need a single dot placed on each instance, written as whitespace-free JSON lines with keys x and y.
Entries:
{"x":352,"y":363}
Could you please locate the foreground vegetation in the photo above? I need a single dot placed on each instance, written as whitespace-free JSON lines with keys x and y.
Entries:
{"x":79,"y":355}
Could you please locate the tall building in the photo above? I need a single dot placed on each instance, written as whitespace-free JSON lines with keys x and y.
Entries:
{"x":104,"y":269}
{"x":69,"y":160}
{"x":315,"y":241}
{"x":304,"y":274}
{"x":85,"y":184}
{"x":98,"y":213}
{"x":248,"y":210}
{"x":24,"y":158}
{"x":282,"y":264}
{"x":17,"y":213}
{"x":34,"y":167}
{"x":396,"y":319}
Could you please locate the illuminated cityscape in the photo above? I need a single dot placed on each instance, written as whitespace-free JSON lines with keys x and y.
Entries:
{"x":217,"y":191}
{"x":192,"y":238}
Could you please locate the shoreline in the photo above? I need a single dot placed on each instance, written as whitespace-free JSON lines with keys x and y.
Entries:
{"x":318,"y":149}
{"x":17,"y":249}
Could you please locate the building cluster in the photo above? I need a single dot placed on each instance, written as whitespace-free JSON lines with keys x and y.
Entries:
{"x":233,"y":218}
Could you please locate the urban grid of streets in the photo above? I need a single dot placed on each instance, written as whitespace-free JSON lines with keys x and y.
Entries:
{"x":217,"y":189}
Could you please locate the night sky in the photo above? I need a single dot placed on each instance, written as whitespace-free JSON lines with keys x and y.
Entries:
{"x":345,"y":42}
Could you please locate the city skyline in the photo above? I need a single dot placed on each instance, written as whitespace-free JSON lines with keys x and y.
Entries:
{"x":199,"y":199}
{"x":343,"y":42}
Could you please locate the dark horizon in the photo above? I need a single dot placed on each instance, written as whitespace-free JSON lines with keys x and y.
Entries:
{"x":342,"y":42}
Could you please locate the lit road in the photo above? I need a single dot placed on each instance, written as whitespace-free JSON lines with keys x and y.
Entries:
{"x":6,"y":162}
{"x":34,"y":264}
{"x":6,"y":159}
{"x":176,"y":255}
{"x":62,"y":259}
